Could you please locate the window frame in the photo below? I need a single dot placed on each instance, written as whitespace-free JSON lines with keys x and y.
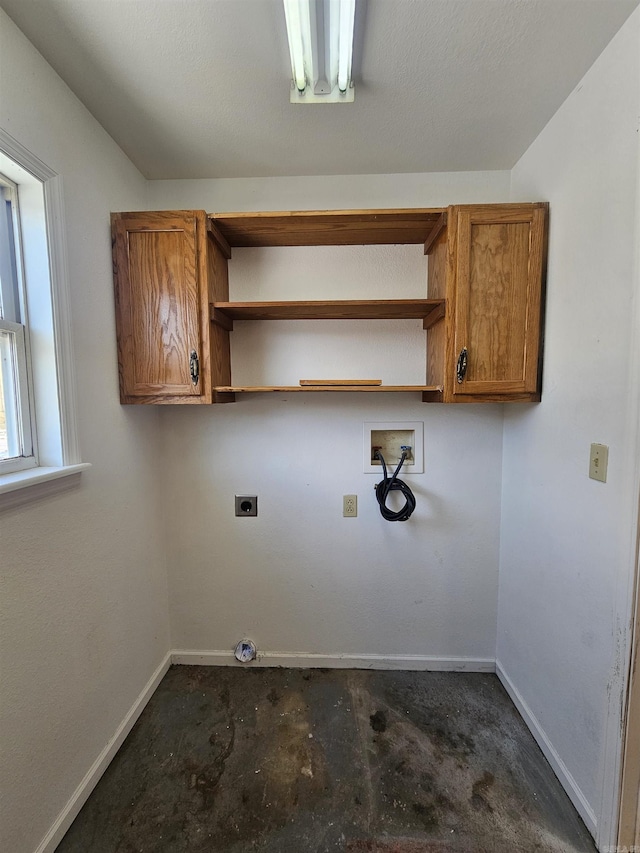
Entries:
{"x":47,"y":309}
{"x":13,"y":309}
{"x":16,"y":375}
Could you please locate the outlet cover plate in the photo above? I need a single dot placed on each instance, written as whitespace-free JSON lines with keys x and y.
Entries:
{"x":350,"y":506}
{"x":415,"y":466}
{"x":246,"y":505}
{"x":598,"y":461}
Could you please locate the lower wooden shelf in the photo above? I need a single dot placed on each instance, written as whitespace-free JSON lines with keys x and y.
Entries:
{"x":262,"y":389}
{"x":429,"y":310}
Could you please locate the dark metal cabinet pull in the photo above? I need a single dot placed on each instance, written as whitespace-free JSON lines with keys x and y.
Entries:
{"x":461,"y":367}
{"x":194,"y":367}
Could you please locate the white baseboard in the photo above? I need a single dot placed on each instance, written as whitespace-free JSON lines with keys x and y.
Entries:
{"x":309,"y":660}
{"x":84,"y":789}
{"x":559,"y":767}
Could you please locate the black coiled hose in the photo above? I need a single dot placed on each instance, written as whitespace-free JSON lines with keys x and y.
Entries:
{"x":392,"y":484}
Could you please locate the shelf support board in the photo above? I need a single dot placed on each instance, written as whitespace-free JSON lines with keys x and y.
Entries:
{"x":214,"y":232}
{"x":220,"y":318}
{"x":437,"y":313}
{"x":438,"y":228}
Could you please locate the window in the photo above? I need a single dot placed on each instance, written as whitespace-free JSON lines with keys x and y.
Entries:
{"x":38,"y":437}
{"x":17,"y":449}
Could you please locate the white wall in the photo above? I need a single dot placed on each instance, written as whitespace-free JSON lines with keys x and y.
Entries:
{"x":567,"y":545}
{"x":83,"y":597}
{"x":331,"y":192}
{"x":283,"y":352}
{"x":300,"y":578}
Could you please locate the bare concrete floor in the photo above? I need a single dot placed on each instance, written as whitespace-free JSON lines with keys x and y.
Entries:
{"x":229,"y":760}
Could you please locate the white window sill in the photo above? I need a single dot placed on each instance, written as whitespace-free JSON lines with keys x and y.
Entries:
{"x":25,"y":486}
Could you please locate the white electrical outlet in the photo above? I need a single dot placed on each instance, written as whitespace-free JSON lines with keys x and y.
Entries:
{"x":349,"y":506}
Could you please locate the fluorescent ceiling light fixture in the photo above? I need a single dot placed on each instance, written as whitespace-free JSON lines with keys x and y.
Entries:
{"x":320,"y":34}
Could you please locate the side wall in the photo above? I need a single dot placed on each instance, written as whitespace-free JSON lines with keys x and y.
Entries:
{"x":300,"y":579}
{"x":82,"y":573}
{"x":567,"y":543}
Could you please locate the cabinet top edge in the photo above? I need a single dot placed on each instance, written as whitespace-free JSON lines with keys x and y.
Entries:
{"x":417,"y":212}
{"x":384,"y":226}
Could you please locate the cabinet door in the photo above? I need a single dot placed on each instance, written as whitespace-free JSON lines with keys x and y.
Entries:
{"x":498,"y":290}
{"x":158,"y":306}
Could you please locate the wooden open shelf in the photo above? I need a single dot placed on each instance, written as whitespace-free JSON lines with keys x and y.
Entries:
{"x":262,"y":389}
{"x":420,"y":226}
{"x":328,"y":227}
{"x":428,"y":310}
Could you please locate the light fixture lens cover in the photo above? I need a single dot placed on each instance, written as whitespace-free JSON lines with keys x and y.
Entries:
{"x":345,"y":42}
{"x":297,"y":29}
{"x":320,"y":34}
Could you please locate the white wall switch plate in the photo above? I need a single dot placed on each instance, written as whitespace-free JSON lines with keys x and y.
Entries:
{"x":598,"y":461}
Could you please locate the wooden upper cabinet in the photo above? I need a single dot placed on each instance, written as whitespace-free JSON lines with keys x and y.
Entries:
{"x":497,"y":265}
{"x":162,"y":306}
{"x":485,"y":295}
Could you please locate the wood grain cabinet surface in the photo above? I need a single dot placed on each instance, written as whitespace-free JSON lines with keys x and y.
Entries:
{"x":489,"y":265}
{"x":483,"y":309}
{"x":166,"y":273}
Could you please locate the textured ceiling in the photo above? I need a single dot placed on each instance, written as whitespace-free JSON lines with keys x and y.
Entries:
{"x":200,"y":88}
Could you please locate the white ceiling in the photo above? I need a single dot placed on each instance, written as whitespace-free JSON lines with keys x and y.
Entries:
{"x":200,"y":88}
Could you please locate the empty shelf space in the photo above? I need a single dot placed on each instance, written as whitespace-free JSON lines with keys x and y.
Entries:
{"x":364,"y":309}
{"x":328,"y":227}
